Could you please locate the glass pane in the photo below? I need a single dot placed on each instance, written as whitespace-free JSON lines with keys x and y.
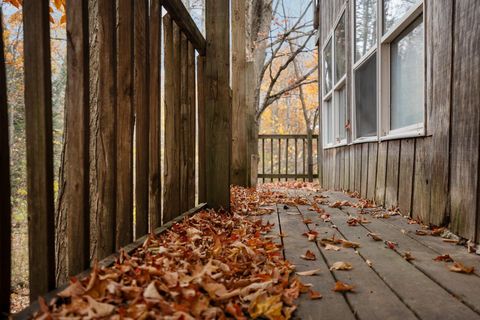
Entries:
{"x":393,"y":10}
{"x":328,"y":123}
{"x":341,"y":102}
{"x":365,"y":26}
{"x":327,"y":66}
{"x":340,"y":49}
{"x":407,"y":77}
{"x":366,"y":98}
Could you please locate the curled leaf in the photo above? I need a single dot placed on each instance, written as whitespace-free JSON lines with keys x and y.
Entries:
{"x":313,"y":295}
{"x":460,"y":268}
{"x":350,"y":244}
{"x":309,"y":272}
{"x":342,"y":287}
{"x":309,"y":255}
{"x":444,"y":258}
{"x":340,"y":265}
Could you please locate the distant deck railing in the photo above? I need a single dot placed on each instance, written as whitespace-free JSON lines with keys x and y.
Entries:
{"x":287,"y":157}
{"x":132,"y":39}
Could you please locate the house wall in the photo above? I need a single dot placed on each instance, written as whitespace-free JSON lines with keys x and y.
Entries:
{"x":435,"y":177}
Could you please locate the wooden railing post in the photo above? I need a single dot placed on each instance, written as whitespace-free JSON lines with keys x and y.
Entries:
{"x":218,"y":131}
{"x":202,"y":188}
{"x":76,"y":173}
{"x":184,"y":131}
{"x":192,"y":126}
{"x":154,"y":171}
{"x":310,"y":156}
{"x":38,"y":110}
{"x":141,"y":86}
{"x":5,"y":201}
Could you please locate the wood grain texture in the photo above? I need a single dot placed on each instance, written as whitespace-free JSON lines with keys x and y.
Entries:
{"x":218,"y":131}
{"x":372,"y":170}
{"x":421,"y":187}
{"x":192,"y":127}
{"x":202,"y":193}
{"x":391,"y":185}
{"x":185,"y":121}
{"x":38,"y":124}
{"x":5,"y":201}
{"x":405,"y":178}
{"x":171,"y":176}
{"x":155,"y":119}
{"x":439,"y":100}
{"x":381,"y":173}
{"x":465,"y":119}
{"x":346,"y":176}
{"x":352,"y":168}
{"x":125,"y":125}
{"x":239,"y":109}
{"x":364,"y":174}
{"x":141,"y":86}
{"x":106,"y":138}
{"x":358,"y":167}
{"x":77,"y":109}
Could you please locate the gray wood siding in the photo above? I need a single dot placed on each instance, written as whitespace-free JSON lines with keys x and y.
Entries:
{"x":434,"y":178}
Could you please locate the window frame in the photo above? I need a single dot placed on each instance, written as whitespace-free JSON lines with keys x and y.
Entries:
{"x":384,"y":83}
{"x":337,"y":85}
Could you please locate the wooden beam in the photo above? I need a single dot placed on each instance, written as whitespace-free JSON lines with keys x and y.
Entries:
{"x":202,"y":195}
{"x":286,"y":136}
{"x":106,"y":137}
{"x":154,"y":173}
{"x":171,"y":200}
{"x":183,"y":19}
{"x":76,"y":147}
{"x":251,"y":123}
{"x":239,"y":174}
{"x":38,"y":124}
{"x":5,"y":201}
{"x":218,"y":133}
{"x":192,"y":126}
{"x":125,"y":127}
{"x":141,"y":86}
{"x":184,"y":130}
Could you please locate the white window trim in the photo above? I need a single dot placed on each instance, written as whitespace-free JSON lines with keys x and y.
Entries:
{"x":355,"y":66}
{"x":336,"y":84}
{"x":383,"y":76}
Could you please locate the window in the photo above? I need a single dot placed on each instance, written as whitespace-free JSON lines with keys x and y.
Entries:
{"x":365,"y":70}
{"x":365,"y":26}
{"x":402,"y":69}
{"x":334,"y":85}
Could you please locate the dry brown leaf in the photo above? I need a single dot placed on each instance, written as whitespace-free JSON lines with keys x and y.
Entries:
{"x":421,"y":232}
{"x":374,"y":236}
{"x":460,"y":268}
{"x":408,"y":256}
{"x":313,"y":295}
{"x":309,"y":272}
{"x":329,"y":246}
{"x":342,"y":287}
{"x":444,"y":258}
{"x":341,"y":265}
{"x":311,"y":235}
{"x":309,"y":255}
{"x":350,"y":244}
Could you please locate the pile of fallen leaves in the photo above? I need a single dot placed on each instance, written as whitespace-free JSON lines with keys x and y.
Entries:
{"x":212,"y":265}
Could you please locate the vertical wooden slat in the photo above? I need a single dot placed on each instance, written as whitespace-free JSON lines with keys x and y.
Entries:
{"x":192,"y":126}
{"x":465,"y":170}
{"x":279,"y":157}
{"x":201,"y":129}
{"x":346,"y":176}
{"x":239,"y":109}
{"x":271,"y":158}
{"x":440,"y":64}
{"x":38,"y":124}
{"x":391,"y":190}
{"x":106,"y":138}
{"x":125,"y":118}
{"x":76,"y":150}
{"x":184,"y":130}
{"x":5,"y":204}
{"x":352,"y":169}
{"x":304,"y":159}
{"x":171,"y":197}
{"x":286,"y":158}
{"x":405,"y":186}
{"x":310,"y":157}
{"x":358,"y":167}
{"x":141,"y":86}
{"x":364,"y":183}
{"x":336,"y":168}
{"x":381,"y":173}
{"x":372,"y":170}
{"x":154,"y":168}
{"x":218,"y":103}
{"x":421,"y":187}
{"x":263,"y":158}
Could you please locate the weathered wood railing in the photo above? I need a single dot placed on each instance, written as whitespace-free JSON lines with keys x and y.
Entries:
{"x":287,"y":156}
{"x":130,"y":44}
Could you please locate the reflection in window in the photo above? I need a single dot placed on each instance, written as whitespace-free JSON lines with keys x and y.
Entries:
{"x":340,"y":49}
{"x":328,"y":123}
{"x":365,"y":26}
{"x":327,"y":66}
{"x":393,"y":10}
{"x":407,"y":77}
{"x":366,"y":98}
{"x":341,"y":101}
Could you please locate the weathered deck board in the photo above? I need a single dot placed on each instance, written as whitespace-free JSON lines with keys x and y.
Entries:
{"x":333,"y":305}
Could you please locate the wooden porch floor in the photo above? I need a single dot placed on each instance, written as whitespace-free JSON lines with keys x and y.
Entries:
{"x":386,"y":285}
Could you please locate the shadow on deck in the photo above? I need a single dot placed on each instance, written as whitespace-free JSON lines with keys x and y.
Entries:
{"x":395,"y":277}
